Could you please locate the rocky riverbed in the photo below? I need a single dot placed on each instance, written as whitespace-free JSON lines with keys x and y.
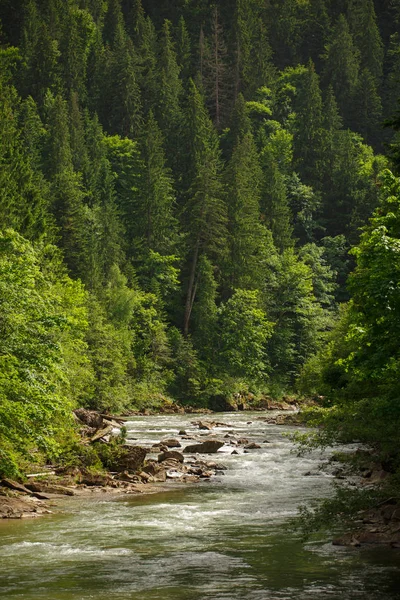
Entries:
{"x":185,"y":459}
{"x":134,"y":469}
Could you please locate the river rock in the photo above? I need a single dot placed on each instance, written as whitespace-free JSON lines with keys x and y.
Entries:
{"x":242,"y":441}
{"x":48,"y":488}
{"x":89,"y":417}
{"x":206,"y":425}
{"x":252,"y":446}
{"x":131,"y":459}
{"x":171,"y":443}
{"x":208,"y":447}
{"x":95,"y":479}
{"x":102,"y":433}
{"x":14,"y":485}
{"x":171,"y":454}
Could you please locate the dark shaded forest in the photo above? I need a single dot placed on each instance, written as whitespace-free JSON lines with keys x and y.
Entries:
{"x":185,"y":187}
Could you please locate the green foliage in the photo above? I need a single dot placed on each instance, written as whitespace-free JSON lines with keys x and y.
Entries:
{"x":244,"y":330}
{"x":358,"y":371}
{"x":43,"y":323}
{"x":203,"y":170}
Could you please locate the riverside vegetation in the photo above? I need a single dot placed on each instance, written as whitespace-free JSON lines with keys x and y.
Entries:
{"x":185,"y":188}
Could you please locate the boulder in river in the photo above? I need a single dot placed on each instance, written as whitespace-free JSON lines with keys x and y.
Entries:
{"x":171,"y":443}
{"x":170,"y":454}
{"x":208,"y":447}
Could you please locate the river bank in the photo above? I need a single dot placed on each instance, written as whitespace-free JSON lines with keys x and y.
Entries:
{"x":133,"y":469}
{"x":184,"y":460}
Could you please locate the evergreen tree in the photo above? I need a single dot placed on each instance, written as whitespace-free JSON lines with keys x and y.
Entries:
{"x":66,"y":189}
{"x":215,"y":73}
{"x":274,"y":202}
{"x":247,"y":236}
{"x":169,"y":95}
{"x":308,"y":136}
{"x":41,"y":68}
{"x":78,"y":36}
{"x":253,"y":52}
{"x":155,"y":221}
{"x":368,"y":108}
{"x":286,"y":33}
{"x":113,"y":22}
{"x":392,"y":86}
{"x":317,"y":31}
{"x":342,"y":66}
{"x":123,"y":108}
{"x":365,"y":30}
{"x":183,"y":50}
{"x":205,"y":212}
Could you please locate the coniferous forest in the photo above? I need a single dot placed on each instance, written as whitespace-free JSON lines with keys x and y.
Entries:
{"x":198,"y":199}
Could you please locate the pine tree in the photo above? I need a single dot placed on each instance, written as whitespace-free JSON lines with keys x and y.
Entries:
{"x":240,"y":125}
{"x":215,"y":73}
{"x":286,"y":32}
{"x":247,"y":240}
{"x":342,"y":66}
{"x":253,"y":52}
{"x":168,"y":109}
{"x":128,"y":168}
{"x":77,"y":136}
{"x":368,"y":108}
{"x":123,"y":109}
{"x":308,"y":136}
{"x":78,"y":36}
{"x":274,"y":202}
{"x":23,"y":193}
{"x":392,"y":85}
{"x":113,"y":22}
{"x":41,"y":69}
{"x":205,"y":212}
{"x":155,"y":221}
{"x":183,"y":50}
{"x":365,"y":30}
{"x":317,"y":31}
{"x":67,"y":192}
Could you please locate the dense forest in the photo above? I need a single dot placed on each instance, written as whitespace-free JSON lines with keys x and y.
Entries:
{"x":185,"y":187}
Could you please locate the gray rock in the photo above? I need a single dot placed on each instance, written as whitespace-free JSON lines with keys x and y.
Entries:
{"x":208,"y":447}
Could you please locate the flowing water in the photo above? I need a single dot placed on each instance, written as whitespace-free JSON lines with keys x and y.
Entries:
{"x":224,"y":539}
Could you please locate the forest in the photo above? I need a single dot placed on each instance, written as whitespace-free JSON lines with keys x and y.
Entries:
{"x":198,"y":199}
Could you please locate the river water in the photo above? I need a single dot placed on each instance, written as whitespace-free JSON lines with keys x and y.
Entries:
{"x":224,"y":539}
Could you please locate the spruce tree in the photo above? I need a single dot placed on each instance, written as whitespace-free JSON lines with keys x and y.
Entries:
{"x":123,"y":108}
{"x":66,"y":188}
{"x":183,"y":50}
{"x":216,"y":77}
{"x":253,"y":51}
{"x":368,"y":108}
{"x":155,"y":220}
{"x":317,"y":31}
{"x":169,"y":95}
{"x":308,"y":128}
{"x":342,"y":66}
{"x":365,"y":30}
{"x":247,"y":241}
{"x":274,"y":202}
{"x":204,"y":216}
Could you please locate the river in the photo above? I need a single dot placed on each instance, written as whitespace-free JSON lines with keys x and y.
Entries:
{"x":223,"y":539}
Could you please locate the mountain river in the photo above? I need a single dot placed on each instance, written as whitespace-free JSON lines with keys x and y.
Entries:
{"x":223,"y":539}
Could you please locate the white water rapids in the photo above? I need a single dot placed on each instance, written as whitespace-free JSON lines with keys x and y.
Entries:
{"x":224,"y":539}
